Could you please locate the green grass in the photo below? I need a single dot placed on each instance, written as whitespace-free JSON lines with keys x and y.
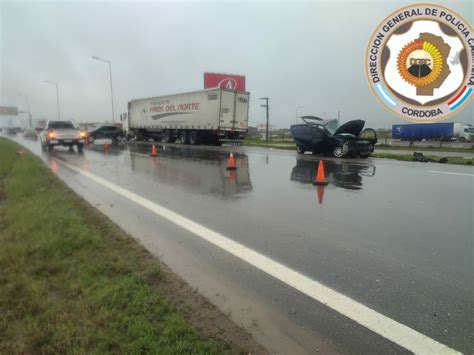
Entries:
{"x":69,"y":282}
{"x":436,"y":148}
{"x":409,"y":157}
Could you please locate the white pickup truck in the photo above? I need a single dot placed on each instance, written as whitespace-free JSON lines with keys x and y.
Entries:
{"x":65,"y":133}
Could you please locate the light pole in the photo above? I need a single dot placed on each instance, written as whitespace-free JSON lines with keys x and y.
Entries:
{"x":28,"y":108}
{"x":111,"y":88}
{"x":296,"y":114}
{"x":57,"y":94}
{"x":266,"y":106}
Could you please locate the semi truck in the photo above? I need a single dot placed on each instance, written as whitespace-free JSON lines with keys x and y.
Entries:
{"x":208,"y":116}
{"x":433,"y":131}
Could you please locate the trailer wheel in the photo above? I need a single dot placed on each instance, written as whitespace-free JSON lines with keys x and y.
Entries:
{"x":194,"y":137}
{"x":183,"y":137}
{"x":168,"y":136}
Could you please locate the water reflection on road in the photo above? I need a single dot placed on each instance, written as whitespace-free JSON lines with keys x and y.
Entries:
{"x":344,"y":174}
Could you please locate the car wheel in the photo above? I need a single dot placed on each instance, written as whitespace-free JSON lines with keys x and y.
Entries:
{"x":299,"y":150}
{"x":80,"y":147}
{"x":338,"y":152}
{"x":50,"y":147}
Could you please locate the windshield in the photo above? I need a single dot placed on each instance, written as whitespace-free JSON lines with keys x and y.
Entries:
{"x":331,"y":126}
{"x":61,"y":125}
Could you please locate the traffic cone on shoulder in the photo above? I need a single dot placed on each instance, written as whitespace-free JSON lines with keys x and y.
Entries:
{"x":231,"y":163}
{"x":320,"y":176}
{"x":153,"y":151}
{"x":106,"y":147}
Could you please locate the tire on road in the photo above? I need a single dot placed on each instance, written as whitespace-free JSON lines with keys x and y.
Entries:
{"x":183,"y":137}
{"x":299,"y":150}
{"x":168,"y":136}
{"x":338,"y":152}
{"x":194,"y":138}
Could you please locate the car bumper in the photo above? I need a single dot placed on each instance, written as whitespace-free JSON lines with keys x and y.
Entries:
{"x":363,"y":149}
{"x":65,"y":141}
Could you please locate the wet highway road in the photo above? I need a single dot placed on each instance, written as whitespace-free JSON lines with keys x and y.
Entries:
{"x":393,"y":236}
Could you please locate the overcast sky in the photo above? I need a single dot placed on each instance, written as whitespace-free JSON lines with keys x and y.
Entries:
{"x":298,"y":54}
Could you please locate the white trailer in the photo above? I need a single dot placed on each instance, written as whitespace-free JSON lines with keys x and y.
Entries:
{"x":210,"y":116}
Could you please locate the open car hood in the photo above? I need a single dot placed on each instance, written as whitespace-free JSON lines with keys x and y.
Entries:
{"x":353,"y":127}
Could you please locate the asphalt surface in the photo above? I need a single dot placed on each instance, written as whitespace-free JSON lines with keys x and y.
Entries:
{"x":394,"y":236}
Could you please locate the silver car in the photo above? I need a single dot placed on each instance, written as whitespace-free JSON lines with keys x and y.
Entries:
{"x":65,"y":133}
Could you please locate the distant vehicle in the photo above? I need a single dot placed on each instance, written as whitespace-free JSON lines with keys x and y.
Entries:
{"x":30,"y":133}
{"x":433,"y":131}
{"x":320,"y":137}
{"x":106,"y":131}
{"x":62,"y":133}
{"x":40,"y":124}
{"x":209,"y":116}
{"x":9,"y":131}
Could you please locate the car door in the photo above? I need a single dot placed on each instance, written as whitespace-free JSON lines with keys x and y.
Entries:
{"x":319,"y":140}
{"x":100,"y":133}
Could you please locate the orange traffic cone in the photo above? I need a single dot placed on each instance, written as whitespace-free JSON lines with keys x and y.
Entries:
{"x":320,"y":176}
{"x":106,"y":147}
{"x":231,"y":163}
{"x":153,"y":151}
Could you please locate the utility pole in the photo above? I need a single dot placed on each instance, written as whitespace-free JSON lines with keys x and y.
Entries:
{"x":111,"y":87}
{"x":338,"y":115}
{"x":266,"y":106}
{"x":57,"y":94}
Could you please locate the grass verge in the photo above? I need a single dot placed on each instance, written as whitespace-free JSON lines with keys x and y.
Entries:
{"x":442,"y":149}
{"x":435,"y":159}
{"x":71,"y":281}
{"x":403,"y":157}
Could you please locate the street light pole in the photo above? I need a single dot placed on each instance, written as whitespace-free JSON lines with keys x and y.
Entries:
{"x":111,"y":87}
{"x":57,"y":94}
{"x":266,"y":106}
{"x":296,"y":114}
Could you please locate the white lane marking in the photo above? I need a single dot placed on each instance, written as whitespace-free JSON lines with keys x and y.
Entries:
{"x":449,"y":173}
{"x":384,"y":326}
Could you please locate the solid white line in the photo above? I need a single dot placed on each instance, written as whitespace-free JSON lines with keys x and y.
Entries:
{"x":449,"y":173}
{"x":386,"y":327}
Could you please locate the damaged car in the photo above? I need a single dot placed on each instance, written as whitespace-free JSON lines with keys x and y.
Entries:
{"x":323,"y":137}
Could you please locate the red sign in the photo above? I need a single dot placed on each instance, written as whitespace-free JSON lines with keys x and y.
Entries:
{"x":224,"y":81}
